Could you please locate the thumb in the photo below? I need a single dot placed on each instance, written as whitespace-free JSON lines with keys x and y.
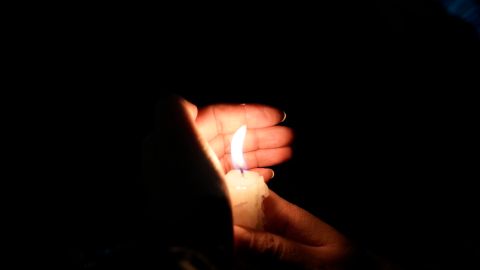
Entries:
{"x":271,"y":245}
{"x":190,"y":107}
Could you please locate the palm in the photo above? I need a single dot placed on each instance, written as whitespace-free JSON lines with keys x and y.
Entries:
{"x":265,"y":144}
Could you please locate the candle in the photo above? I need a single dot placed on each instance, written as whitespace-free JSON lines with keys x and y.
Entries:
{"x":247,"y":189}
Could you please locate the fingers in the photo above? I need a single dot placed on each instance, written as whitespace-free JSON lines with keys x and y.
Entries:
{"x":294,"y":236}
{"x":273,"y":246}
{"x":297,"y":224}
{"x":262,"y":138}
{"x":267,"y":174}
{"x":260,"y":158}
{"x":226,"y":118}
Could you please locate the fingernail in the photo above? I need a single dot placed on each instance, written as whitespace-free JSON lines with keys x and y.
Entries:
{"x":284,"y":117}
{"x":273,"y":174}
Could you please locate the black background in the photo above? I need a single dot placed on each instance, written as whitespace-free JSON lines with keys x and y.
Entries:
{"x":381,"y":98}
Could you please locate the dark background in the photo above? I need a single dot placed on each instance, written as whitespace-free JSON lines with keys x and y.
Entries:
{"x":380,"y":96}
{"x":395,"y":174}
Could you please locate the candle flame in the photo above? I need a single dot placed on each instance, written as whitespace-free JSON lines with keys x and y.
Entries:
{"x":237,"y":148}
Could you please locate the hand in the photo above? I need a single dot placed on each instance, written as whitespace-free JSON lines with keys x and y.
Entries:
{"x":294,"y":236}
{"x":265,"y":144}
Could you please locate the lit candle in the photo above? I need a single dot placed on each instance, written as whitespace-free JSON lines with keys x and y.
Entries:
{"x":247,"y":189}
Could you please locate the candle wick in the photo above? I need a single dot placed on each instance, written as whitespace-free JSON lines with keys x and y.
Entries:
{"x":241,"y":170}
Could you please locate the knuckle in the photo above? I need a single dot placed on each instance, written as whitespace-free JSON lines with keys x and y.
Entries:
{"x":272,"y":245}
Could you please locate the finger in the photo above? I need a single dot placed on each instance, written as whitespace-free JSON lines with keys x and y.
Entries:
{"x":260,"y":158}
{"x":267,"y":174}
{"x":274,"y":246}
{"x":297,"y":224}
{"x":256,"y":139}
{"x":227,"y":118}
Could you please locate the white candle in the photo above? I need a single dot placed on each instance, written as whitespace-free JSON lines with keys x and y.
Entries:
{"x":247,"y":189}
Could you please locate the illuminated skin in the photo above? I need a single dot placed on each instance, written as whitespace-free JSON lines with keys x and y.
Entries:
{"x":292,"y":234}
{"x":265,"y":144}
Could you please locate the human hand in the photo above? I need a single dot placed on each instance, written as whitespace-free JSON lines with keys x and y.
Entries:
{"x":295,"y":237}
{"x":266,"y":144}
{"x":292,"y":236}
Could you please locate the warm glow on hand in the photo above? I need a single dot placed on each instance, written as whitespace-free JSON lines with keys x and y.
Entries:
{"x":266,"y":144}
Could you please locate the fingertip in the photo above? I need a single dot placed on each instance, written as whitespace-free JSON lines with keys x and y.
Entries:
{"x":284,"y":117}
{"x":238,"y":230}
{"x":241,"y":236}
{"x":268,"y":175}
{"x":258,"y":115}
